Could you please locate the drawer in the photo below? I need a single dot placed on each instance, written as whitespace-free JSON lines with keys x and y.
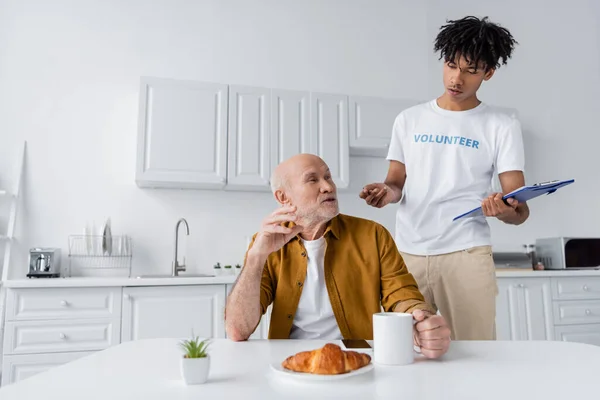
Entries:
{"x":589,"y":334}
{"x":63,"y":303}
{"x":27,"y":337}
{"x":576,"y":288}
{"x":576,"y":312}
{"x":17,"y":368}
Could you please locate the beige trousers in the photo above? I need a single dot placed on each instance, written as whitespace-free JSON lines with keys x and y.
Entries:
{"x":462,"y":286}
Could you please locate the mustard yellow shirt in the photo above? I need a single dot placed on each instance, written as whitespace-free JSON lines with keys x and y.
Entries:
{"x":363,"y":272}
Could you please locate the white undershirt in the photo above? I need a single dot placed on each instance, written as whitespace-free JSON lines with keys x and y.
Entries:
{"x":314,"y":317}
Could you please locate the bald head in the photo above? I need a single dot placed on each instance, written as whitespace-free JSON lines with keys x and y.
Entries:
{"x":304,"y":181}
{"x":292,"y":168}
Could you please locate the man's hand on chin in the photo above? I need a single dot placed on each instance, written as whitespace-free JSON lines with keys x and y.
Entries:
{"x":431,"y":333}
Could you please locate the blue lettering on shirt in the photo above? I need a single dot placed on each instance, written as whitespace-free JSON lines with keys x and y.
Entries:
{"x":444,"y":139}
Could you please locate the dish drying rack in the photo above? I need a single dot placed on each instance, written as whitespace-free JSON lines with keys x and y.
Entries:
{"x":98,"y":255}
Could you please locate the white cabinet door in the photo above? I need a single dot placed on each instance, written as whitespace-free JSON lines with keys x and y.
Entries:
{"x":506,"y":309}
{"x":249,"y":163}
{"x":19,"y":367}
{"x":524,"y":309}
{"x":182,"y":138}
{"x":262,"y":330}
{"x":173,"y":312}
{"x":371,"y":123}
{"x":329,"y":134}
{"x":290,"y":124}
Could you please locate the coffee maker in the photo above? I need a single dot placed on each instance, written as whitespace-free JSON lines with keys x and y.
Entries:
{"x":44,"y":263}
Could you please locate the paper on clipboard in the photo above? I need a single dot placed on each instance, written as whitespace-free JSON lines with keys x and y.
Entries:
{"x":523,"y":194}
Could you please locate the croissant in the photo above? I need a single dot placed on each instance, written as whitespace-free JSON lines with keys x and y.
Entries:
{"x":328,"y":360}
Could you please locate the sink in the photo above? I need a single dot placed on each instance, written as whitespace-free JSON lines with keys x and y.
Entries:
{"x":162,"y":276}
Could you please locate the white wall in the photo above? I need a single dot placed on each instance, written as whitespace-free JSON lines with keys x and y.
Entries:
{"x":69,"y":73}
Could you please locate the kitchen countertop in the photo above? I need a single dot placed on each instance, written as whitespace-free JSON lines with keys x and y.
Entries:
{"x":492,"y":370}
{"x":529,"y":273}
{"x":230,"y":279}
{"x":103,"y":282}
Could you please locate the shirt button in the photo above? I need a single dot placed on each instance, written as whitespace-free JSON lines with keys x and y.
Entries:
{"x":299,"y":283}
{"x":290,"y":316}
{"x":303,"y":254}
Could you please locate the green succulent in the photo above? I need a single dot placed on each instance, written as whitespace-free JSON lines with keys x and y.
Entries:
{"x":195,"y":348}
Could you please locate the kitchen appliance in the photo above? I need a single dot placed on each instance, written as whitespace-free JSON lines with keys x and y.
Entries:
{"x":512,"y":260}
{"x":44,"y":263}
{"x":568,"y":253}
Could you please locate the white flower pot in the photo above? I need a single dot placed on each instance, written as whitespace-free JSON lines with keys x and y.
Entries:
{"x":195,"y":370}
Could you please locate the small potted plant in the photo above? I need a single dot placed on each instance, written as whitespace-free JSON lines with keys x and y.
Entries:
{"x":217,"y":268}
{"x":195,"y":362}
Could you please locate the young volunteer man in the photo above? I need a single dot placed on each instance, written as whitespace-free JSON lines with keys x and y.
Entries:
{"x":443,"y":155}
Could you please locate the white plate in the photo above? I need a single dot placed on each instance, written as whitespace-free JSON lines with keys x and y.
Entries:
{"x":279,"y":370}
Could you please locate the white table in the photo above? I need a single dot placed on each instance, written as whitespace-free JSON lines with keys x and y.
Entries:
{"x":149,"y":369}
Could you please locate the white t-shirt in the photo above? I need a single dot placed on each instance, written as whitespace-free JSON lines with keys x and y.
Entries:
{"x":314,"y":317}
{"x":451,"y":158}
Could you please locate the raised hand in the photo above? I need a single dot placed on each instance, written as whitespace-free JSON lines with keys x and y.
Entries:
{"x":273,"y":235}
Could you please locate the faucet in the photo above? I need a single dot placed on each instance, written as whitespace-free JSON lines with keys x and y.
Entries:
{"x":176,"y":267}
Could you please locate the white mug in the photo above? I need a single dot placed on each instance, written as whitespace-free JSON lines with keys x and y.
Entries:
{"x":393,"y":338}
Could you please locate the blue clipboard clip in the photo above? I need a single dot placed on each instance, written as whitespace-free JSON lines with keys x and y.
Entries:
{"x":523,"y":194}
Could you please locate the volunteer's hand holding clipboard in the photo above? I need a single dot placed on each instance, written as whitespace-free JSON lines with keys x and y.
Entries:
{"x":524,"y":194}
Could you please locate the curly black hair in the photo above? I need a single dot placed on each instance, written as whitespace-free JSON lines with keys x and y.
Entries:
{"x":477,"y":40}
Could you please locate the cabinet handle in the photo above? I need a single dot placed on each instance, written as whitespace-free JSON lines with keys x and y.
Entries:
{"x":64,"y":303}
{"x":588,"y":312}
{"x":62,"y":336}
{"x":126,"y":296}
{"x":585,"y":288}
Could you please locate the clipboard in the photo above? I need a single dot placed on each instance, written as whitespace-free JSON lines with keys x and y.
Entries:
{"x":523,"y":194}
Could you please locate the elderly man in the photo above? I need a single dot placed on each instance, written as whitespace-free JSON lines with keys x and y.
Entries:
{"x":325,"y":273}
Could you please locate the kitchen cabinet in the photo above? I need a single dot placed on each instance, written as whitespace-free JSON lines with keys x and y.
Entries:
{"x":249,"y":149}
{"x":371,"y":120}
{"x":300,"y":122}
{"x":524,"y":309}
{"x":182,"y":134}
{"x":290,"y":125}
{"x":16,"y":368}
{"x":329,"y":134}
{"x":33,"y":337}
{"x":45,"y":327}
{"x":173,"y":311}
{"x":576,"y":306}
{"x":49,"y":304}
{"x":206,"y":135}
{"x":589,"y":334}
{"x":565,"y":308}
